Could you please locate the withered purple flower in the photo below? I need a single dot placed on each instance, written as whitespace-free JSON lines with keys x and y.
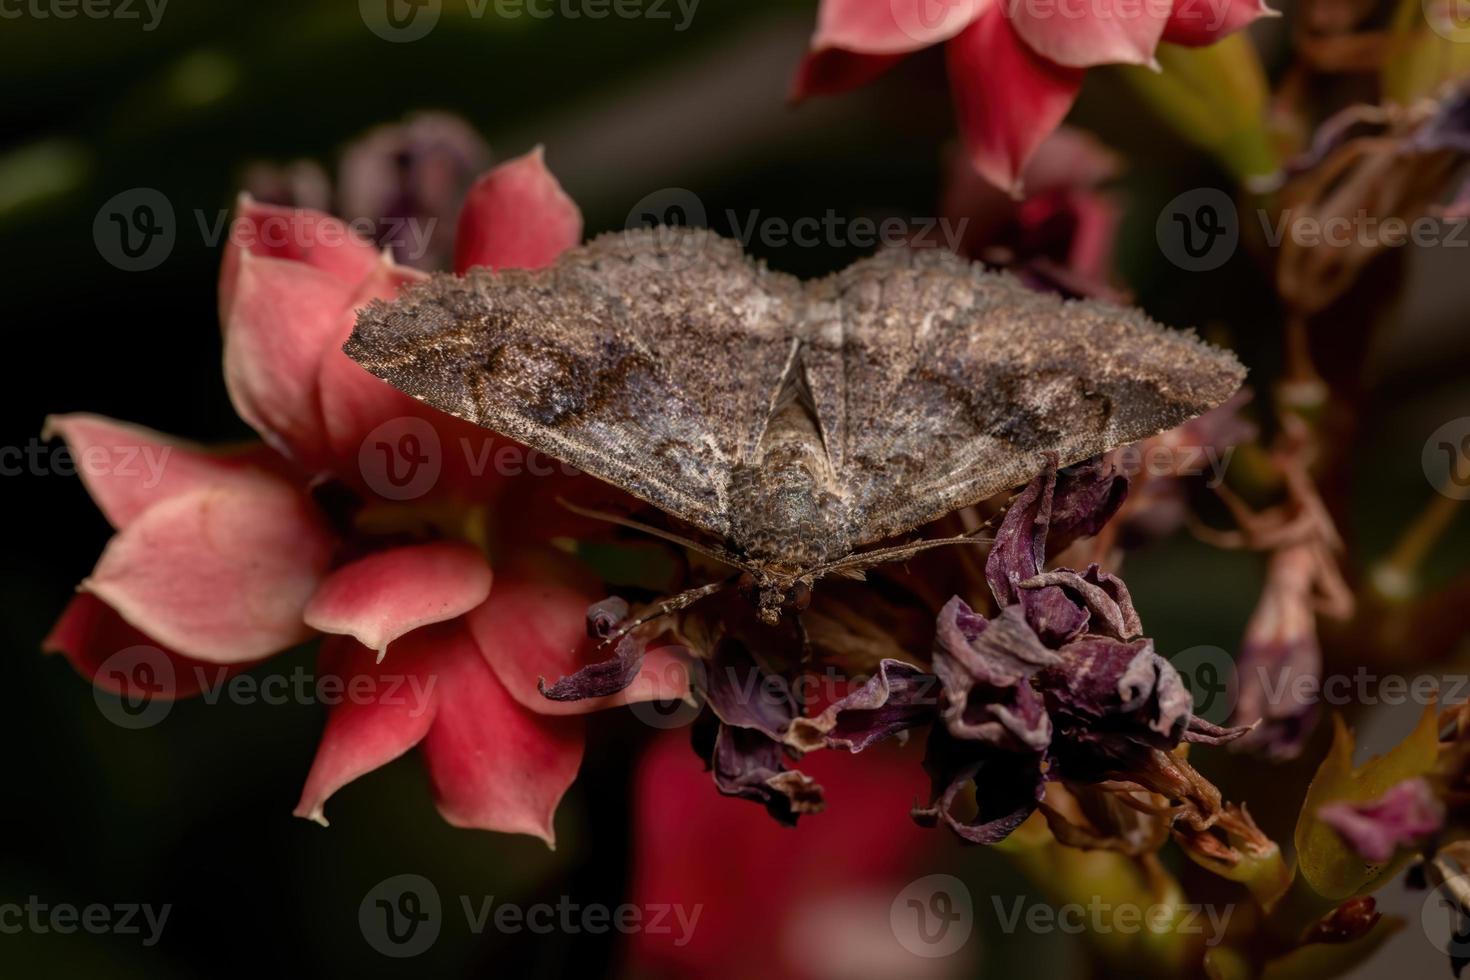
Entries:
{"x":1058,"y":685}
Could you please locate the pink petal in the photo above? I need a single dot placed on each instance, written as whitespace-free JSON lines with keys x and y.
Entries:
{"x":385,"y":595}
{"x":891,"y":26}
{"x":128,"y":468}
{"x":516,"y":217}
{"x":534,"y":626}
{"x":1008,"y":98}
{"x":1098,"y":32}
{"x":385,"y":710}
{"x":89,"y":633}
{"x":1197,"y":22}
{"x":283,"y":318}
{"x":832,"y":71}
{"x":220,"y":574}
{"x":495,"y":765}
{"x":296,"y":235}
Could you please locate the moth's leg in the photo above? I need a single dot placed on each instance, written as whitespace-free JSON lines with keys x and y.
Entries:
{"x":663,"y":607}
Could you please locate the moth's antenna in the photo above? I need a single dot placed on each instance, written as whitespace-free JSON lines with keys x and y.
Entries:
{"x":896,"y":553}
{"x":718,"y":554}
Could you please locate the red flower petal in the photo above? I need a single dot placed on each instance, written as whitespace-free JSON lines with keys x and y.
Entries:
{"x":89,"y":632}
{"x":832,"y":71}
{"x":891,"y":26}
{"x":1097,"y":32}
{"x":1197,"y":22}
{"x":534,"y":626}
{"x":296,"y":235}
{"x":283,"y":318}
{"x":221,"y":574}
{"x":386,"y":709}
{"x":516,"y":217}
{"x":385,"y":595}
{"x":1008,"y":98}
{"x":495,"y":765}
{"x":128,"y":468}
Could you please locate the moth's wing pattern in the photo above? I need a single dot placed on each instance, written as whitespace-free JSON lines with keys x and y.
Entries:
{"x":938,"y":383}
{"x":649,"y":359}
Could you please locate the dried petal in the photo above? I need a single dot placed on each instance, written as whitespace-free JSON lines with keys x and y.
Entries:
{"x":986,"y":668}
{"x":1008,"y":787}
{"x":747,"y":764}
{"x":898,"y":697}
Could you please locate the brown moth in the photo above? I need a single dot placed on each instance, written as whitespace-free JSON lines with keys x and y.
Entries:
{"x":795,"y":422}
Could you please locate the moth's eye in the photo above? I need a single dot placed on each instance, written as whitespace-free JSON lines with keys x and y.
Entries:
{"x":747,"y":585}
{"x":801,"y":596}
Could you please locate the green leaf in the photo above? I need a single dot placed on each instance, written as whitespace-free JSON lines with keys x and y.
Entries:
{"x":1214,"y":97}
{"x":1324,"y":859}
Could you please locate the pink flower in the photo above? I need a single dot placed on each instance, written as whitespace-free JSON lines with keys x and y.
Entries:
{"x":1060,"y":236}
{"x":364,"y":521}
{"x":748,"y":897}
{"x":1015,"y":66}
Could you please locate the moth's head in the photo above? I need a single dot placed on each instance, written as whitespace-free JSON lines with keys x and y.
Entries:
{"x":773,"y":594}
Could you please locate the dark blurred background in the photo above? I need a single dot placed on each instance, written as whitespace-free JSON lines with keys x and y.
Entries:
{"x":196,"y":812}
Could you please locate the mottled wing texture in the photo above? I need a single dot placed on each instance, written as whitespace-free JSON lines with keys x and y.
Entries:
{"x":938,"y":384}
{"x":649,"y":359}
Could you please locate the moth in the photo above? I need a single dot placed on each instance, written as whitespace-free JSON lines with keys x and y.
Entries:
{"x":797,"y":424}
